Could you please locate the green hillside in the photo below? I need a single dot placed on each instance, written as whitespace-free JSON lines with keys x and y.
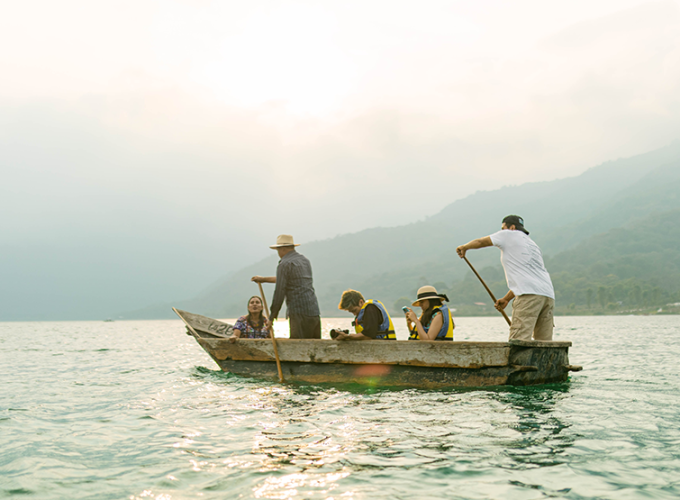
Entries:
{"x":563,"y":215}
{"x":631,"y":269}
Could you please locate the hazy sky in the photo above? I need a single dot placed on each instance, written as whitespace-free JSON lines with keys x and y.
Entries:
{"x":148,"y":147}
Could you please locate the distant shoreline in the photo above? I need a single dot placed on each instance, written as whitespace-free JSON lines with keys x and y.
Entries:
{"x":673,"y":312}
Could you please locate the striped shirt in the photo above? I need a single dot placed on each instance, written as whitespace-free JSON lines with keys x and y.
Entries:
{"x":294,"y":283}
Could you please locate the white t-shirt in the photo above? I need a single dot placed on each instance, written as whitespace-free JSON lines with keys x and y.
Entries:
{"x":523,"y":264}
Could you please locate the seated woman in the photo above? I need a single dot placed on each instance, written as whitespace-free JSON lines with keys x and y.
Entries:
{"x":435,"y":322}
{"x":254,"y":325}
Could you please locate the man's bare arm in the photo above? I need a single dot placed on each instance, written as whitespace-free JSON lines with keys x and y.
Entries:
{"x":473,"y":245}
{"x":352,"y":336}
{"x":263,"y":279}
{"x":503,"y":303}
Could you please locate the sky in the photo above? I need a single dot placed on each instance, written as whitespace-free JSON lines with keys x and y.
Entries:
{"x":148,"y":147}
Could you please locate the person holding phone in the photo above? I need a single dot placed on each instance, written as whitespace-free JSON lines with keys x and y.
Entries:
{"x":435,"y":321}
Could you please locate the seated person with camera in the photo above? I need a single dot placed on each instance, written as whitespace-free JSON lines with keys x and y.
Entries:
{"x":372,"y":321}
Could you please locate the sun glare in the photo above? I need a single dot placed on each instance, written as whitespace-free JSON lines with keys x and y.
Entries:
{"x":288,"y":56}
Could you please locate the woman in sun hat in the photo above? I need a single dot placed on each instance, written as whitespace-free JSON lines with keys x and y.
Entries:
{"x":435,"y":322}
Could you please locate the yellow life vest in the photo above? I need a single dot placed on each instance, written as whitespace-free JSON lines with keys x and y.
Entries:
{"x":446,"y":331}
{"x":385,"y":329}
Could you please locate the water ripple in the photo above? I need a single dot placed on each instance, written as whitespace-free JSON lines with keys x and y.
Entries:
{"x":137,"y":410}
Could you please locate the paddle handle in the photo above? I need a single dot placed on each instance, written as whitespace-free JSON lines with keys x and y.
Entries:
{"x":271,"y":333}
{"x":488,"y":290}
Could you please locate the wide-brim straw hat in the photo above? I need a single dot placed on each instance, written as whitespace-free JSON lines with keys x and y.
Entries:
{"x":284,"y":240}
{"x":428,"y":292}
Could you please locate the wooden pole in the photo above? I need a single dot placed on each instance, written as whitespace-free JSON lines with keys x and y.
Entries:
{"x":271,"y":333}
{"x":488,"y":290}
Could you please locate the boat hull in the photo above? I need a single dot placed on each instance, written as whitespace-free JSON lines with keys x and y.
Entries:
{"x":419,"y":364}
{"x":526,"y":366}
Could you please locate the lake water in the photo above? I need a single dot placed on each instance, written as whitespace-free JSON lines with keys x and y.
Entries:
{"x":138,"y":410}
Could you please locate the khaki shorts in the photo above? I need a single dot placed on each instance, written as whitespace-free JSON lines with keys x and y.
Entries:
{"x":532,"y":314}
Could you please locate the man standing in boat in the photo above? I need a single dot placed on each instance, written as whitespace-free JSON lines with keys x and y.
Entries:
{"x":372,"y":321}
{"x":527,"y":277}
{"x":294,"y":284}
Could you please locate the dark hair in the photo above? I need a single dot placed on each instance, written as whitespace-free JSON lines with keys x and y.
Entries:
{"x":262,"y":316}
{"x":350,"y":298}
{"x":426,"y":317}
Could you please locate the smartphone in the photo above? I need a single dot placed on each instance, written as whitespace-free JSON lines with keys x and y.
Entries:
{"x":405,"y":309}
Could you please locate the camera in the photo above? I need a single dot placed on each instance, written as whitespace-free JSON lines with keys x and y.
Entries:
{"x":334,"y":333}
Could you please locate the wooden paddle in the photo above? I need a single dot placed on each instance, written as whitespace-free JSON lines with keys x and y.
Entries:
{"x":271,"y":333}
{"x":488,"y":290}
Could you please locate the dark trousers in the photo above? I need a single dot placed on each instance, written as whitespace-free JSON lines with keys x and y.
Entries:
{"x":304,"y":327}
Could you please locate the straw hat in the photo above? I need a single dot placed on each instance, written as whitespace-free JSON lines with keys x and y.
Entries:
{"x":429,"y":292}
{"x":284,"y":240}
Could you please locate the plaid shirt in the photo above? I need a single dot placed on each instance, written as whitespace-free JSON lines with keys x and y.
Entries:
{"x":294,"y":283}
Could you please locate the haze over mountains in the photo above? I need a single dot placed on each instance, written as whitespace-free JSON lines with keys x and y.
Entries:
{"x":139,"y":169}
{"x":604,"y":208}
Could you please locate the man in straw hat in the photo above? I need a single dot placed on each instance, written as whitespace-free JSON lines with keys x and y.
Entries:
{"x":527,"y":277}
{"x":294,"y":284}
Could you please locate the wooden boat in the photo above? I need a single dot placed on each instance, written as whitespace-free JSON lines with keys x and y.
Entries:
{"x":429,"y":365}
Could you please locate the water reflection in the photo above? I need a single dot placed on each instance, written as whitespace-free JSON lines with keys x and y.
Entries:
{"x":309,"y":440}
{"x":117,"y":422}
{"x":540,"y":423}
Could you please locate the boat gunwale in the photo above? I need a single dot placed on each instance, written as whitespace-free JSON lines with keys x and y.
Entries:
{"x":444,"y":345}
{"x":508,"y":343}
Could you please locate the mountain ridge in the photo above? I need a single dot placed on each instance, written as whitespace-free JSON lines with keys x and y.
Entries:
{"x":560,"y":214}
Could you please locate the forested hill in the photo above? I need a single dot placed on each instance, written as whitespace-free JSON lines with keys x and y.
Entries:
{"x":625,"y":269}
{"x":604,"y":204}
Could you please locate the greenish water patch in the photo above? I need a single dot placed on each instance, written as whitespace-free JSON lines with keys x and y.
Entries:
{"x":154,"y":418}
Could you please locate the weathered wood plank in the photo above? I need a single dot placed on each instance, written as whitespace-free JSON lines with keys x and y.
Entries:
{"x":551,"y":364}
{"x":540,"y":343}
{"x":204,"y":324}
{"x":435,"y":354}
{"x":422,"y":377}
